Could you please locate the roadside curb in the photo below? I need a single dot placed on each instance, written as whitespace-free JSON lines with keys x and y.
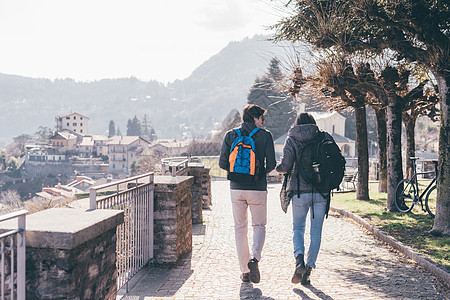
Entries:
{"x":431,"y":266}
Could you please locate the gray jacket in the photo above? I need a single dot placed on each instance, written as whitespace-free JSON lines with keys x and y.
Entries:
{"x":297,"y":136}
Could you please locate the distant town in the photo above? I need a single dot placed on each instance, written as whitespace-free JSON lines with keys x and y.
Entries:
{"x":75,"y":159}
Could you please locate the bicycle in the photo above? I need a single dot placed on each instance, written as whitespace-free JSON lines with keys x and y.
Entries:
{"x":407,"y":192}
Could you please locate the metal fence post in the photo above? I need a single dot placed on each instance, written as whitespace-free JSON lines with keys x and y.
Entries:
{"x":21,"y":257}
{"x":17,"y":251}
{"x":136,"y":200}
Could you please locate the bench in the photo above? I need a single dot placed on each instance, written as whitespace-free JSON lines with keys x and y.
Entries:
{"x":350,"y":178}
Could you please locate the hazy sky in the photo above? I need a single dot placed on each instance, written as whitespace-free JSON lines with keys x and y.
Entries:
{"x":149,"y":39}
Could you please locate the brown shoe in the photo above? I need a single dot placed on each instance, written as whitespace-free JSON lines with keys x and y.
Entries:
{"x":306,"y":277}
{"x":254,"y":270}
{"x":300,"y":269}
{"x":245,"y":277}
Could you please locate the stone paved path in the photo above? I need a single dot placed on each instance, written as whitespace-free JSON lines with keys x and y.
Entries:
{"x":351,"y":263}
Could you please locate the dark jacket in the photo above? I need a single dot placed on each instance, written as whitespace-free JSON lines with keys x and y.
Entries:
{"x":297,"y":136}
{"x":265,"y":153}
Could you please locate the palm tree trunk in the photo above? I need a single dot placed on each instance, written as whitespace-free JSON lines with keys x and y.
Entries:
{"x":362,"y":190}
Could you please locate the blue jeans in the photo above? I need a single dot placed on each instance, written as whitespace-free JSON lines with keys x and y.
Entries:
{"x":300,"y":208}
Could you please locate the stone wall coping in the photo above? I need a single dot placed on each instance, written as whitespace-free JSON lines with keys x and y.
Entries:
{"x":171,"y":179}
{"x":66,"y":228}
{"x":195,"y":165}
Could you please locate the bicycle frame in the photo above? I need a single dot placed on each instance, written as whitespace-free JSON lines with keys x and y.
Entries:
{"x":407,"y":193}
{"x":427,"y":188}
{"x":416,"y":182}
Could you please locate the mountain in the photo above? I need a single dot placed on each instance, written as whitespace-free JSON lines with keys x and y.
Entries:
{"x":189,"y":107}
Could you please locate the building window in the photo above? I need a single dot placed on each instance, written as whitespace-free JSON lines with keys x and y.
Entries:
{"x":81,"y":124}
{"x":74,"y":117}
{"x":114,"y":166}
{"x":81,"y":130}
{"x":81,"y":118}
{"x":74,"y":124}
{"x":67,"y":124}
{"x":67,"y":118}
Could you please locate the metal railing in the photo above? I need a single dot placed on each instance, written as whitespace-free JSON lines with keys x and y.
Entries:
{"x":177,"y":166}
{"x":12,"y":256}
{"x":135,"y":236}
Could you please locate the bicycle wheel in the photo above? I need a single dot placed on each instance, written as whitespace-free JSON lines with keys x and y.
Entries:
{"x":430,"y":201}
{"x":404,"y":195}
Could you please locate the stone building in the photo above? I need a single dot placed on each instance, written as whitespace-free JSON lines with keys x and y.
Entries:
{"x":74,"y":122}
{"x":334,"y":124}
{"x":123,"y":151}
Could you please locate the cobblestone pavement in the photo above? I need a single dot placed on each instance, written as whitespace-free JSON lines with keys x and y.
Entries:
{"x":351,"y":263}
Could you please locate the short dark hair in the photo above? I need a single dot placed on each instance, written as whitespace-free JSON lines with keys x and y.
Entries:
{"x":252,"y":111}
{"x":305,"y":118}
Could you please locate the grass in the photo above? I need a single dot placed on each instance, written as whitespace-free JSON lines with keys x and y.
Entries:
{"x":412,"y":229}
{"x":213,"y":163}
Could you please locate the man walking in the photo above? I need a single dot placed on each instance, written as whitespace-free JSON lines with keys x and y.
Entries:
{"x":252,"y":193}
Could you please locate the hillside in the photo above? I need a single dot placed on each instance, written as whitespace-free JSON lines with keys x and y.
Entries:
{"x":188,"y":107}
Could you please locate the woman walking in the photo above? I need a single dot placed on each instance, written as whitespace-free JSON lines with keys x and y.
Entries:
{"x":305,"y":197}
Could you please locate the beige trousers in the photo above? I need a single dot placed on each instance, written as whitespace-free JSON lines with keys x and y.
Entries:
{"x":257,"y":202}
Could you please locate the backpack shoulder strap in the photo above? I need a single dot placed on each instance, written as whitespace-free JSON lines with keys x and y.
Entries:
{"x":326,"y":137}
{"x":253,"y":131}
{"x":236,"y":140}
{"x":313,"y":145}
{"x":319,"y":139}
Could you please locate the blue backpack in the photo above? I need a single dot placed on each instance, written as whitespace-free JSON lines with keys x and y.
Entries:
{"x":244,"y":165}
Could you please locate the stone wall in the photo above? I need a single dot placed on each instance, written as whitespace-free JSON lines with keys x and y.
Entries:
{"x":66,"y":169}
{"x":172,"y":219}
{"x":206,"y":188}
{"x":71,"y":253}
{"x":35,"y":169}
{"x":201,"y":190}
{"x":197,"y":170}
{"x":85,"y":272}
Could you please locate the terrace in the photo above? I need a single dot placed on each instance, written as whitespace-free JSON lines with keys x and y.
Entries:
{"x":92,"y":249}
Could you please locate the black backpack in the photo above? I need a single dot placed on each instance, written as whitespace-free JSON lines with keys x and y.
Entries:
{"x":325,"y":170}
